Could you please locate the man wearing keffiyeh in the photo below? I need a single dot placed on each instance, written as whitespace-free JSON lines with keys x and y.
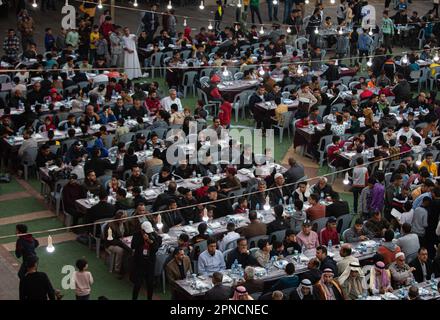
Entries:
{"x":380,"y":279}
{"x":353,"y":281}
{"x":328,"y":288}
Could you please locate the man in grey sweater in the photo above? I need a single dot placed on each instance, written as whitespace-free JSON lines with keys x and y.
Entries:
{"x":420,"y":219}
{"x":409,"y":242}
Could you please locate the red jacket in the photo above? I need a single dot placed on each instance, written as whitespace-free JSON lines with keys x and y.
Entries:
{"x":366,"y":94}
{"x":327,"y":234}
{"x":332,"y":149}
{"x":215,"y":93}
{"x":152,"y":105}
{"x":201,"y":192}
{"x":224,"y":113}
{"x":301,"y":123}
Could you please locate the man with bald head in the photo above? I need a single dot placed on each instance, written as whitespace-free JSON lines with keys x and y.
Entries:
{"x":347,"y":258}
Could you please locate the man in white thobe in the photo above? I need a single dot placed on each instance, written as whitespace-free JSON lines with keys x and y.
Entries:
{"x":131,"y":61}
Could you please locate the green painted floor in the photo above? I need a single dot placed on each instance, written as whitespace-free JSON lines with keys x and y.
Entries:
{"x":16,"y":207}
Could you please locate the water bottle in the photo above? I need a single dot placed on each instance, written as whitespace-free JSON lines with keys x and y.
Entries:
{"x":322,"y":195}
{"x":188,"y":277}
{"x":234,"y":266}
{"x":194,"y":174}
{"x":194,"y":280}
{"x":257,"y":207}
{"x":330,"y":245}
{"x":296,"y":256}
{"x":303,"y":249}
{"x":280,"y":201}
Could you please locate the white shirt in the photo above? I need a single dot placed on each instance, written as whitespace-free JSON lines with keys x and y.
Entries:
{"x":167,"y":102}
{"x":100,"y":78}
{"x":411,"y":132}
{"x":368,"y":14}
{"x":79,"y":171}
{"x":230,"y":236}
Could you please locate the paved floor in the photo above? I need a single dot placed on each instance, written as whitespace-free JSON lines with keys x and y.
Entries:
{"x":132,"y":18}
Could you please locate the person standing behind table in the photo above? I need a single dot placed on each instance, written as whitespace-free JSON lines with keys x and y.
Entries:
{"x":295,"y":172}
{"x":24,"y":247}
{"x":255,"y":10}
{"x":35,"y":286}
{"x":145,"y":244}
{"x":151,"y":22}
{"x":117,"y":52}
{"x":83,"y":280}
{"x":420,"y":219}
{"x":132,"y":66}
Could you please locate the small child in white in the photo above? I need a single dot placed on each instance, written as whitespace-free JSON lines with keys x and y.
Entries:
{"x":83,"y":280}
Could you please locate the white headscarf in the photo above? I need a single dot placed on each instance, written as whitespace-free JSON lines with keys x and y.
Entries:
{"x":306,"y":283}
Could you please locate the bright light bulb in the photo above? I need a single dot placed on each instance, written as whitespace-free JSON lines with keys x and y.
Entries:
{"x":370,"y":62}
{"x":50,"y":248}
{"x":184,"y":22}
{"x":405,"y":59}
{"x":262,"y":30}
{"x":100,"y":4}
{"x":340,"y":31}
{"x":381,"y":165}
{"x":159,"y":225}
{"x":202,"y":5}
{"x":336,"y":62}
{"x":307,"y":2}
{"x":210,"y":26}
{"x":239,"y":4}
{"x":299,"y":70}
{"x":316,"y":30}
{"x":346,"y":181}
{"x":110,"y":234}
{"x":135,"y":3}
{"x":261,"y":71}
{"x":225,"y":72}
{"x":34,"y":4}
{"x":370,"y":32}
{"x":169,"y":6}
{"x":289,"y":30}
{"x":419,"y":160}
{"x":436,"y":57}
{"x":275,"y":2}
{"x":332,"y":1}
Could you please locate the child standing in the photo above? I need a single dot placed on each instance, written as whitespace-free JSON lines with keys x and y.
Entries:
{"x":83,"y":280}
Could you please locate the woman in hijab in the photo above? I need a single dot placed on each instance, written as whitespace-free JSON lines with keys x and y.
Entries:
{"x":352,"y":281}
{"x":240,"y":293}
{"x":380,"y":279}
{"x":303,"y":292}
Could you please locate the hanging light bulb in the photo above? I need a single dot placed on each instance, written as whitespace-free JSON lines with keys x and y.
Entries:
{"x":299,"y":70}
{"x":110,"y":234}
{"x":184,"y":22}
{"x":346,"y":181}
{"x":381,"y":165}
{"x":34,"y":4}
{"x":50,"y":248}
{"x":398,"y":30}
{"x":169,"y":6}
{"x":336,"y":62}
{"x":210,"y":26}
{"x":236,"y":27}
{"x":307,"y":2}
{"x":332,"y":1}
{"x":159,"y":223}
{"x":419,"y":160}
{"x":66,"y":3}
{"x":370,"y":62}
{"x":135,"y":3}
{"x":340,"y":31}
{"x":405,"y":59}
{"x":266,"y":206}
{"x":205,"y":215}
{"x":316,"y":30}
{"x":239,"y":4}
{"x":225,"y":72}
{"x":261,"y":71}
{"x":202,"y":5}
{"x":262,"y":30}
{"x":370,"y":32}
{"x":275,"y":2}
{"x":289,"y":30}
{"x":436,"y":57}
{"x":100,"y":4}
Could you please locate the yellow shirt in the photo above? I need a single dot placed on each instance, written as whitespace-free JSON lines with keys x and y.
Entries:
{"x":432,"y":66}
{"x":431,"y":168}
{"x":94,"y":36}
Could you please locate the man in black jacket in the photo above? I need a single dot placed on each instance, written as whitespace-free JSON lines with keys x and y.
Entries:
{"x":119,"y":110}
{"x":36,"y":95}
{"x":145,"y":244}
{"x":101,"y":210}
{"x":402,"y":91}
{"x":219,"y":291}
{"x":280,"y":193}
{"x":374,"y":137}
{"x":241,"y":254}
{"x":279,"y":223}
{"x":163,"y":198}
{"x":35,"y":286}
{"x":257,"y":97}
{"x":151,"y":22}
{"x":99,"y":165}
{"x":422,"y":265}
{"x":338,"y":207}
{"x":325,"y":260}
{"x":313,"y":273}
{"x":221,"y":208}
{"x":332,"y":72}
{"x":24,"y":247}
